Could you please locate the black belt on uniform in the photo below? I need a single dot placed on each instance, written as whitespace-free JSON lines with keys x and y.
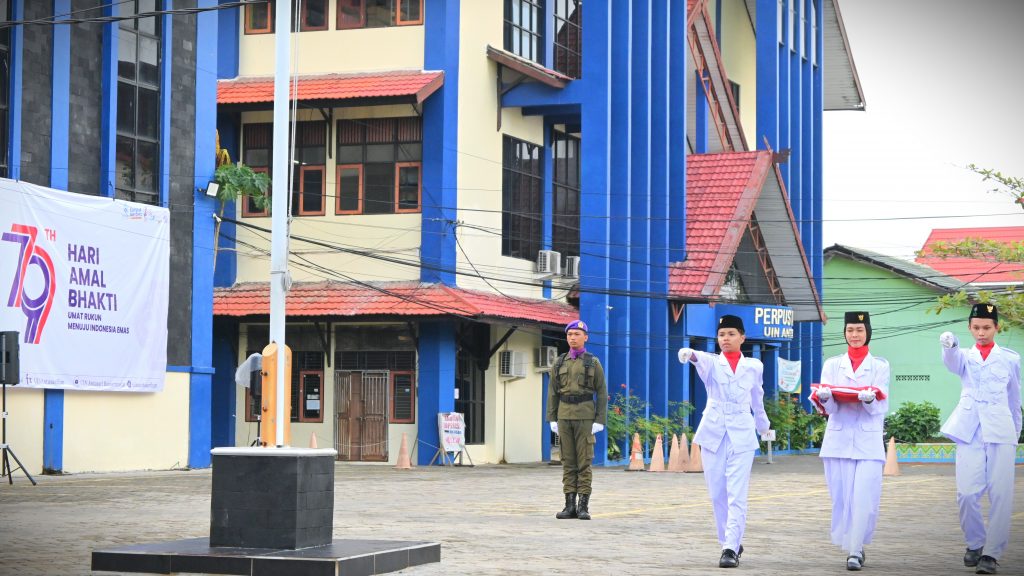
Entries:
{"x":575,"y":398}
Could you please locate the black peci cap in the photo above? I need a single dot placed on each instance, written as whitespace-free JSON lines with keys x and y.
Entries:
{"x":859,"y":318}
{"x":730,"y":321}
{"x":984,"y":311}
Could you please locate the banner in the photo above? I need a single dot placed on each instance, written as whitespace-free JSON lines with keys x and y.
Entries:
{"x":789,"y":376}
{"x":84,"y":279}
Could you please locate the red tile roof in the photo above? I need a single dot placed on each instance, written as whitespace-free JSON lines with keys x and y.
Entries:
{"x":721,"y":192}
{"x":388,"y":299}
{"x":969,"y":269}
{"x":414,"y":85}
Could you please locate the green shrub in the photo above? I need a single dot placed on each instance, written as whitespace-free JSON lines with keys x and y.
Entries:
{"x":913,"y":422}
{"x":627,"y":415}
{"x":795,"y":428}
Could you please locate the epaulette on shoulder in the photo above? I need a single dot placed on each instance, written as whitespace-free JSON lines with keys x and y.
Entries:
{"x":1014,"y":352}
{"x":879,"y":358}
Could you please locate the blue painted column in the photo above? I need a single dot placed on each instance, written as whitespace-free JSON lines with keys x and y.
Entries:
{"x":678,"y":52}
{"x":166,"y":48}
{"x":108,"y":106}
{"x":545,"y":428}
{"x":659,"y":351}
{"x":617,"y":366}
{"x":440,"y":159}
{"x":700,"y":119}
{"x":678,"y":374}
{"x":638,"y":339}
{"x":767,"y":74}
{"x":60,"y":114}
{"x":435,"y":384}
{"x":595,"y":185}
{"x":17,"y":92}
{"x":200,"y":399}
{"x":229,"y":128}
{"x":547,"y":192}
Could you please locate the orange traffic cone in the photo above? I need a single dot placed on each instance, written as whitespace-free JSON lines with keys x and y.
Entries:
{"x":636,"y":457}
{"x":673,"y":454}
{"x":695,"y":464}
{"x":404,"y":463}
{"x":678,"y":458}
{"x":892,"y":465}
{"x":657,"y":456}
{"x":312,"y":440}
{"x":684,"y":453}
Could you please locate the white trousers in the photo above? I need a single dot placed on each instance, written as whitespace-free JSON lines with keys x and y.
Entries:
{"x":855,"y":487}
{"x":727,"y":474}
{"x":981,"y":468}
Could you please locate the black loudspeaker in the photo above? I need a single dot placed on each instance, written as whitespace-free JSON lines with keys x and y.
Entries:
{"x":9,"y":366}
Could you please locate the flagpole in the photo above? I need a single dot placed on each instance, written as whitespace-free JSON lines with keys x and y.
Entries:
{"x":280,"y":280}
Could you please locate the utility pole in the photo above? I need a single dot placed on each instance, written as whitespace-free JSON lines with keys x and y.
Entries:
{"x":280,"y":279}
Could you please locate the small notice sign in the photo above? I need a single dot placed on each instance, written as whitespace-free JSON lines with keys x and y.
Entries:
{"x":451,"y":429}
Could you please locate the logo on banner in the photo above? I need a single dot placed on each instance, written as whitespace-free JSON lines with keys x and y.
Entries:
{"x":37,"y":308}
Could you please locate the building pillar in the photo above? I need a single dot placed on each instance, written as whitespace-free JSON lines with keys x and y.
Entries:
{"x":435,"y":384}
{"x":595,"y":185}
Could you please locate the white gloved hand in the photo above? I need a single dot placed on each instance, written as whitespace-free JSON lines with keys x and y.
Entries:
{"x":948,"y":340}
{"x":824,"y":394}
{"x":554,"y":427}
{"x":866,"y":396}
{"x":766,"y":436}
{"x":685,"y":354}
{"x":595,"y":428}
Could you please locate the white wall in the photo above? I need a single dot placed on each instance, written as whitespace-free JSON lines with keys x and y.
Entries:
{"x":333,"y":51}
{"x":109,"y":431}
{"x":25,"y":427}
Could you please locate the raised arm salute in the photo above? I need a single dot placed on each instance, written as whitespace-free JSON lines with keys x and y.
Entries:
{"x":985,"y":426}
{"x":726,"y":434}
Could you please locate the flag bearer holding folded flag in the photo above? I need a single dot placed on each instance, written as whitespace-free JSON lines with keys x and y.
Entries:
{"x":985,"y":426}
{"x":853,"y":451}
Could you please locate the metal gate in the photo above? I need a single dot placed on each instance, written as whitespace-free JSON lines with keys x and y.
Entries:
{"x":361,"y":416}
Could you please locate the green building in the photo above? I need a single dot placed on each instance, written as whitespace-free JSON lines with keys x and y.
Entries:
{"x":899,"y":295}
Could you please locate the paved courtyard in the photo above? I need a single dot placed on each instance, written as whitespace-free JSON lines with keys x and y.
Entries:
{"x":500,"y":520}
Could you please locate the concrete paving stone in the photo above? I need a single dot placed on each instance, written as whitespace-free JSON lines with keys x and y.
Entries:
{"x":499,"y":520}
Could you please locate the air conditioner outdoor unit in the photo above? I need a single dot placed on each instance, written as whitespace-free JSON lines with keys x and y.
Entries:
{"x":546,"y":356}
{"x":572,"y":267}
{"x":511,"y":364}
{"x":549,"y":263}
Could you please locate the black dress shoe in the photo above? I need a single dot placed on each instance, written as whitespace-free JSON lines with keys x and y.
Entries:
{"x":987,"y":565}
{"x":729,"y":559}
{"x":853,"y":562}
{"x":739,"y":553}
{"x":971,"y":557}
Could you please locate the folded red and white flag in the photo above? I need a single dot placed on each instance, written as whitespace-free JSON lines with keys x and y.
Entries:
{"x":843,"y":393}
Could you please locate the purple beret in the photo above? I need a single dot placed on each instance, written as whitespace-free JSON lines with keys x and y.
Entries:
{"x":576,"y":324}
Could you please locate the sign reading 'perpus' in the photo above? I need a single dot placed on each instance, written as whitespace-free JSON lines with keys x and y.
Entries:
{"x":86,"y":281}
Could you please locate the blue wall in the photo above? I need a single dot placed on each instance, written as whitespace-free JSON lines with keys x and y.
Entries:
{"x":789,"y":111}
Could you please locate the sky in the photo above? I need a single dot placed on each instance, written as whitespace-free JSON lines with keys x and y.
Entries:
{"x":944,"y":86}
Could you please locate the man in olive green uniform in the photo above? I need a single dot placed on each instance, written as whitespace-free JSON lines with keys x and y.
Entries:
{"x":577,"y":407}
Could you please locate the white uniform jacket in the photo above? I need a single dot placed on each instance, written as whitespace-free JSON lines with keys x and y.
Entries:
{"x":731,"y":396}
{"x":854,"y":428}
{"x":990,"y":397}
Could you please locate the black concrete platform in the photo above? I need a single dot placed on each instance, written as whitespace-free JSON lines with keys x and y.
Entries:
{"x":339,"y":558}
